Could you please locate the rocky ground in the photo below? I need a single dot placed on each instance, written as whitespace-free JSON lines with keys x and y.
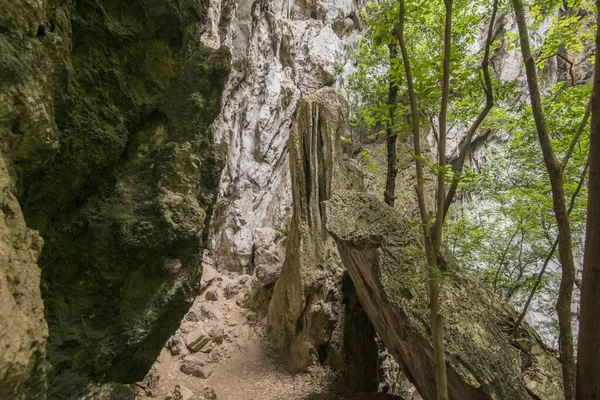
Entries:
{"x":220,"y":350}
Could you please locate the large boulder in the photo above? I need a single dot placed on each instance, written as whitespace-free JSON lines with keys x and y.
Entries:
{"x":105,"y":114}
{"x":383,"y":253}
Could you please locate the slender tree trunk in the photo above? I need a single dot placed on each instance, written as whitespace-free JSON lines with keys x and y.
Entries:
{"x":432,"y":242}
{"x":489,"y":103}
{"x":550,"y":254}
{"x":414,"y":112}
{"x":434,"y":273}
{"x":392,"y":166}
{"x":555,"y":172}
{"x":588,"y":351}
{"x":441,"y":186}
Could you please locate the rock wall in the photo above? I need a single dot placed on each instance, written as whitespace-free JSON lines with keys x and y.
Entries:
{"x":280,"y":54}
{"x":383,"y":254}
{"x":24,"y":330}
{"x":105,"y":108}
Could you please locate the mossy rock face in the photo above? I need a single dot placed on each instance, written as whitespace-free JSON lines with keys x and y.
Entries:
{"x":105,"y":113}
{"x":383,"y":254}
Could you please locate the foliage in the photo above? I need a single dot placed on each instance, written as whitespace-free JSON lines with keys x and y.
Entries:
{"x":503,"y":225}
{"x":511,"y":196}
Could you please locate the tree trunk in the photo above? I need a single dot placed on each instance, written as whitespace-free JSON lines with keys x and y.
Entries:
{"x":489,"y":103}
{"x":588,"y":367}
{"x":392,"y":167}
{"x":432,"y":239}
{"x":555,"y":172}
{"x":434,"y":272}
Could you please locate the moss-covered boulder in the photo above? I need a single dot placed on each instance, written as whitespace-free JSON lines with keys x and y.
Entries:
{"x":105,"y":113}
{"x":383,"y":253}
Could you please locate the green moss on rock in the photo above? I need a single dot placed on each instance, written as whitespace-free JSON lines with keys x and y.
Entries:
{"x":383,"y":254}
{"x":105,"y":109}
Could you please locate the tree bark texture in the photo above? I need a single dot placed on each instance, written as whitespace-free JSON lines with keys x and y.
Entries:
{"x":555,"y":173}
{"x":588,"y":350}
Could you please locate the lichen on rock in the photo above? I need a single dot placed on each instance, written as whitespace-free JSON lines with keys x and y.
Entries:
{"x":383,"y":254}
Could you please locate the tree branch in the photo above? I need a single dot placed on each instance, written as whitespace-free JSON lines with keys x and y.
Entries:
{"x":489,"y":103}
{"x":578,"y":133}
{"x":549,"y":256}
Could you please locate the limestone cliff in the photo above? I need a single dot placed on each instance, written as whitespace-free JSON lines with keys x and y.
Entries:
{"x":105,"y":109}
{"x":24,"y":330}
{"x":280,"y":54}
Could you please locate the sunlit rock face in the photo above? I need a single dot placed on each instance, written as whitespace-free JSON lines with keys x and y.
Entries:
{"x":282,"y":50}
{"x":24,"y":329}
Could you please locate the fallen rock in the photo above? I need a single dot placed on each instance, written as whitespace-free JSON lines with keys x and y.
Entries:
{"x":267,"y":260}
{"x":192,"y":317}
{"x":241,"y":284}
{"x":245,"y":292}
{"x":216,"y":356}
{"x":217,"y":333}
{"x":209,"y":394}
{"x":209,"y":312}
{"x":212,"y":295}
{"x":198,"y":339}
{"x":232,"y":289}
{"x":209,"y":273}
{"x":264,"y":237}
{"x":195,"y":368}
{"x":180,"y":393}
{"x":176,"y":345}
{"x":267,"y":267}
{"x":207,"y":348}
{"x":379,"y":249}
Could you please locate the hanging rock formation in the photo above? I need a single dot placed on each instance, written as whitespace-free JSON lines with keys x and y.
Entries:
{"x":105,"y":108}
{"x":383,"y":252}
{"x":309,"y":298}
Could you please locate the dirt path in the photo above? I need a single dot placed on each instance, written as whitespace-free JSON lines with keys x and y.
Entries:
{"x":235,"y":357}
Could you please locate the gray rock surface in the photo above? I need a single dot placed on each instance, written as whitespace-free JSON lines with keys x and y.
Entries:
{"x":382,"y":253}
{"x":280,"y":55}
